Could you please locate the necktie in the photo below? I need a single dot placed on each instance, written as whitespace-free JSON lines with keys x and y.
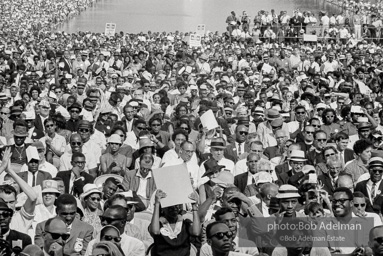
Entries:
{"x":239,"y":149}
{"x":373,"y":188}
{"x":33,"y":180}
{"x":341,"y":157}
{"x":252,"y":180}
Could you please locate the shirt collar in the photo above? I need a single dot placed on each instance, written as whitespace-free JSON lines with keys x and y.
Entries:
{"x":138,"y":174}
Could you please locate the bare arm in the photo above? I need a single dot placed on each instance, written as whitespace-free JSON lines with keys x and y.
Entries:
{"x":154,"y":227}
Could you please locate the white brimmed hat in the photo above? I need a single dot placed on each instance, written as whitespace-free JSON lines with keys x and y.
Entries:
{"x":298,"y":156}
{"x":50,"y":186}
{"x":115,"y":138}
{"x":262,"y":177}
{"x":224,"y":179}
{"x":100,"y":180}
{"x":287,"y":191}
{"x":90,"y":189}
{"x":128,"y":196}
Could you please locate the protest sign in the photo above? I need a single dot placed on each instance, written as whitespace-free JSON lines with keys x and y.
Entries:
{"x":310,"y":38}
{"x":110,"y":29}
{"x":195,"y":40}
{"x":175,"y":182}
{"x":208,"y":120}
{"x":201,"y":28}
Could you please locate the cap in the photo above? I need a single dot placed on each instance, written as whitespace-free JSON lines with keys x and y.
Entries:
{"x":375,"y":161}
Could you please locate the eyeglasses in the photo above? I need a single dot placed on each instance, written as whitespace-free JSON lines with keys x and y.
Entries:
{"x":83,"y":130}
{"x":316,"y":126}
{"x":95,"y":199}
{"x":376,"y":170}
{"x":5,"y":215}
{"x":332,"y":154}
{"x":300,"y":113}
{"x":221,"y":235}
{"x":110,"y":238}
{"x":74,"y":143}
{"x":298,"y":163}
{"x":56,"y":236}
{"x":108,"y":219}
{"x":379,"y":240}
{"x":49,"y":125}
{"x":341,"y":201}
{"x":359,"y":205}
{"x":75,"y":111}
{"x":243,"y":133}
{"x":67,"y":214}
{"x":141,"y":128}
{"x":329,"y":116}
{"x":3,"y":113}
{"x":321,"y":140}
{"x":184,"y":128}
{"x":309,"y":132}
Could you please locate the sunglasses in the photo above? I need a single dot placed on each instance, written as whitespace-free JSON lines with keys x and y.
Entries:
{"x":300,"y":113}
{"x":333,"y":154}
{"x":308,"y":132}
{"x":49,"y":125}
{"x":243,"y":133}
{"x":5,"y":215}
{"x":341,"y":201}
{"x":379,"y":240}
{"x":141,"y":128}
{"x":3,"y":113}
{"x":321,"y":140}
{"x":221,"y":235}
{"x":95,"y":199}
{"x":110,"y":238}
{"x":108,"y":219}
{"x":375,"y":170}
{"x":56,"y":236}
{"x":316,"y":126}
{"x":83,"y":130}
{"x":76,"y":143}
{"x":329,"y":116}
{"x":75,"y":111}
{"x":361,"y":205}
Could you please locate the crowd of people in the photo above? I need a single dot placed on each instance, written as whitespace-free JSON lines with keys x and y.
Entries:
{"x":86,"y":118}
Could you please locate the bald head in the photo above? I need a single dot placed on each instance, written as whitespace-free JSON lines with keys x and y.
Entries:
{"x":346,"y":181}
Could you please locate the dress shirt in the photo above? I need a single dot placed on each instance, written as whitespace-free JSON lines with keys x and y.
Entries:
{"x":141,"y":191}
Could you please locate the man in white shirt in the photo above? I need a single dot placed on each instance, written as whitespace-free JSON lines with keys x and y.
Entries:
{"x":132,"y":137}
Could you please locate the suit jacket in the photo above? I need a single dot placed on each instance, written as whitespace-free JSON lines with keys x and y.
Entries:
{"x":78,"y":185}
{"x":325,"y":179}
{"x":132,"y":182}
{"x":378,"y":201}
{"x":16,"y":235}
{"x":37,"y":134}
{"x":271,"y":152}
{"x":67,"y":65}
{"x":240,"y":181}
{"x":348,"y":155}
{"x":39,"y":124}
{"x":314,"y":157}
{"x":232,"y":153}
{"x":41,"y":176}
{"x":79,"y":230}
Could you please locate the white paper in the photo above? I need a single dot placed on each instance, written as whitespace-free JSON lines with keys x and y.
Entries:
{"x":175,"y":182}
{"x":61,"y":64}
{"x":189,"y":69}
{"x":313,"y":178}
{"x":208,"y":120}
{"x":266,"y":68}
{"x":310,"y":38}
{"x":118,"y":63}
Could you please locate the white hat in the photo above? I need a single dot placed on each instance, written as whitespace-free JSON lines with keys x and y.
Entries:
{"x":356,"y":109}
{"x":321,"y":105}
{"x":45,"y":103}
{"x":50,"y":186}
{"x":32,"y":153}
{"x":298,"y":156}
{"x":224,"y":179}
{"x":115,"y":138}
{"x":203,"y":87}
{"x":90,"y":188}
{"x":100,"y":180}
{"x":193,"y":87}
{"x":288,"y":191}
{"x":29,"y":115}
{"x":262,"y":177}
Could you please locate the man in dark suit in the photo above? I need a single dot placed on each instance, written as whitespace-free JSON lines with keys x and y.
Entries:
{"x":34,"y":176}
{"x":13,"y":237}
{"x":329,"y":180}
{"x":372,"y":187}
{"x":308,"y":138}
{"x":246,"y":178}
{"x":65,"y":63}
{"x":128,"y":117}
{"x":45,"y":108}
{"x":345,"y":154}
{"x":274,"y":151}
{"x":239,"y":146}
{"x":75,"y":179}
{"x":80,"y":232}
{"x":55,"y":235}
{"x":34,"y":133}
{"x":315,"y":156}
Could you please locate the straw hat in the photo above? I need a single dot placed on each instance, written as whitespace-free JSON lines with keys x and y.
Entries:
{"x":288,"y":191}
{"x":297,"y":156}
{"x":90,"y":188}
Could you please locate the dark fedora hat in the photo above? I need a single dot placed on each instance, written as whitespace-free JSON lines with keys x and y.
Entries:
{"x":211,"y":166}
